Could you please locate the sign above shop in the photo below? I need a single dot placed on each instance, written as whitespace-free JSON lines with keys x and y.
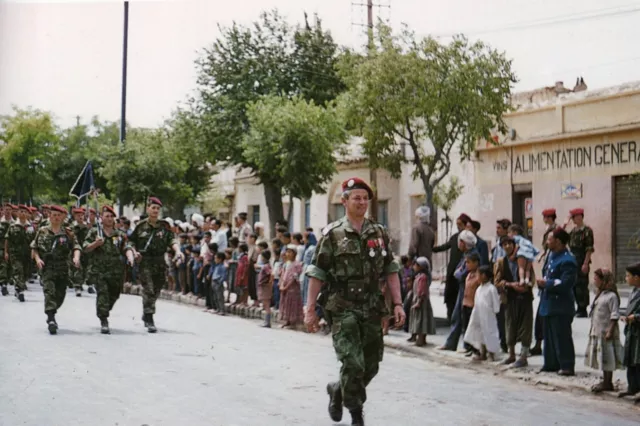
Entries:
{"x":571,"y":191}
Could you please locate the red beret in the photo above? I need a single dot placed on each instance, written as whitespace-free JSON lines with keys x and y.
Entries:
{"x":13,"y":206}
{"x":465,"y":218}
{"x":77,"y":210}
{"x":92,"y":210}
{"x":33,"y":209}
{"x":548,"y":212}
{"x":575,"y":212}
{"x":24,"y":207}
{"x":356,"y":183}
{"x":562,"y":235}
{"x":109,"y":209}
{"x":58,"y":209}
{"x":156,"y":201}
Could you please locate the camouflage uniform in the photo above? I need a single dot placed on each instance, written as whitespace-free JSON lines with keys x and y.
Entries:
{"x":78,"y":276}
{"x":152,"y":242}
{"x":4,"y":265}
{"x":106,"y":269}
{"x":54,"y":249}
{"x":19,"y":255}
{"x":351,"y":264}
{"x":580,"y":244}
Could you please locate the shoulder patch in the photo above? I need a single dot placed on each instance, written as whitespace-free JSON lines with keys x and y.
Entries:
{"x":330,"y":227}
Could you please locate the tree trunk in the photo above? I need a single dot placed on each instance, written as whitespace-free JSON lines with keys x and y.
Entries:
{"x":176,"y":210}
{"x":273,"y":198}
{"x":290,"y":212}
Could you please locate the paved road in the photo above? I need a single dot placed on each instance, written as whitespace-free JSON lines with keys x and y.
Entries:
{"x":201,"y":369}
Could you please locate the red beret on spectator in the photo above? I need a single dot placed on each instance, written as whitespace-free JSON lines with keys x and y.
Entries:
{"x":464,"y":218}
{"x":548,"y":212}
{"x":561,"y":234}
{"x":356,"y":183}
{"x":156,"y":201}
{"x":24,"y":207}
{"x":58,"y":209}
{"x":576,"y":212}
{"x":109,"y":209}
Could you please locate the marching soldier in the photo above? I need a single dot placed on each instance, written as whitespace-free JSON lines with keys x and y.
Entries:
{"x":80,"y":230}
{"x":51,"y":249}
{"x":582,"y":247}
{"x":351,"y":258}
{"x":150,"y":239}
{"x":106,"y":269}
{"x":16,"y":250}
{"x":45,"y":215}
{"x":5,"y":222}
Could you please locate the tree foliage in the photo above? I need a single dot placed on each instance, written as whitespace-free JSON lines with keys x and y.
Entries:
{"x":269,"y":58}
{"x":446,"y":195}
{"x":430,"y":96}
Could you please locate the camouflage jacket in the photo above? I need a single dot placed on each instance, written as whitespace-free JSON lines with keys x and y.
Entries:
{"x":19,"y":236}
{"x":107,"y":258}
{"x":581,"y":242}
{"x":151,"y":240}
{"x":54,"y":248}
{"x":80,"y":230}
{"x":4,"y":226}
{"x":353,"y":263}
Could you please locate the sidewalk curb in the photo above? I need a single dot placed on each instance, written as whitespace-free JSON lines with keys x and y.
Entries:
{"x":527,"y":375}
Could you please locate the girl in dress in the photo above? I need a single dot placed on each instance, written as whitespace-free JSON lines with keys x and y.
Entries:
{"x":265,"y":286}
{"x":482,"y":332}
{"x":290,"y":293}
{"x":421,"y":320}
{"x":604,"y":350}
{"x":525,"y":253}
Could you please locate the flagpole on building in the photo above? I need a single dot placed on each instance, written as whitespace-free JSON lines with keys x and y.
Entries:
{"x":123,"y":104}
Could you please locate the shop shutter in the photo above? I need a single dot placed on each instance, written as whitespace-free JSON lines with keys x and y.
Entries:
{"x":627,"y":223}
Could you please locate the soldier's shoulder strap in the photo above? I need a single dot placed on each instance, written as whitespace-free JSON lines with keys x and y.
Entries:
{"x":334,"y":231}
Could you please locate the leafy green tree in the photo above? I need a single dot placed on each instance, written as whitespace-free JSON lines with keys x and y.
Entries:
{"x":269,"y":58}
{"x":430,"y":96}
{"x":293,"y":144}
{"x":28,"y":141}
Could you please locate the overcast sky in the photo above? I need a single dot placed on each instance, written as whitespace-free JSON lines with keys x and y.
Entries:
{"x":65,"y":57}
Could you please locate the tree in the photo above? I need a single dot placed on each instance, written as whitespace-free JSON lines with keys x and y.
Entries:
{"x":445,"y":197}
{"x":29,"y":139}
{"x":293,"y":145}
{"x":247,"y":63}
{"x":431,"y":96}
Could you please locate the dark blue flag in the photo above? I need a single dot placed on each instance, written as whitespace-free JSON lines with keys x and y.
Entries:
{"x":85,"y":182}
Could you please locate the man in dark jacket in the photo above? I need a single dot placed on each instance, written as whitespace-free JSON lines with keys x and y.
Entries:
{"x":557,"y":305}
{"x":482,"y":246}
{"x":451,"y":283}
{"x":422,"y":236}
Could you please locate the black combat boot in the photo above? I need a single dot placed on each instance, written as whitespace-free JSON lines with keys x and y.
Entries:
{"x":104,"y":326}
{"x":4,"y":290}
{"x":335,"y":401}
{"x":51,"y":322}
{"x":357,"y":418}
{"x":90,"y":289}
{"x":78,"y":292}
{"x":19,"y":295}
{"x":151,"y":327}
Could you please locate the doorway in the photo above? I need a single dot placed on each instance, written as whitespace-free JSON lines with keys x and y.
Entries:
{"x":522,"y":213}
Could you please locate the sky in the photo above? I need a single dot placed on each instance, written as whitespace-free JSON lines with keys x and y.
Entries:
{"x":66,"y":57}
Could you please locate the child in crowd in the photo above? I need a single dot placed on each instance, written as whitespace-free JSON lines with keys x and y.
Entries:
{"x":218,"y":274}
{"x":525,"y":253}
{"x":471,"y":284}
{"x":421,"y":321}
{"x":482,"y":332}
{"x":265,"y":285}
{"x":604,"y":350}
{"x":632,"y":333}
{"x":242,"y":274}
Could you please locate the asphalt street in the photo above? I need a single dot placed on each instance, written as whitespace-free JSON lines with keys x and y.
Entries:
{"x":202,"y":369}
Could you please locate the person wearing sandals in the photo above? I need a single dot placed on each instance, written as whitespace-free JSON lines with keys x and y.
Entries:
{"x":632,"y":333}
{"x":421,"y":317}
{"x":482,"y":332}
{"x":604,"y":350}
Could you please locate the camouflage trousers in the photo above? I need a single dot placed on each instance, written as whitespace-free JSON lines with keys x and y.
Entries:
{"x":54,"y":286}
{"x":19,"y":270}
{"x":77,"y":276}
{"x":5,"y":269}
{"x":358,"y":342}
{"x":152,"y":276}
{"x":581,"y":291}
{"x":108,"y":287}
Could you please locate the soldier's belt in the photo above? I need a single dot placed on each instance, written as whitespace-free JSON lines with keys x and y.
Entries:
{"x":355,"y":290}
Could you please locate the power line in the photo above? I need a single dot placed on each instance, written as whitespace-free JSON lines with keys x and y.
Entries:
{"x":562,"y":19}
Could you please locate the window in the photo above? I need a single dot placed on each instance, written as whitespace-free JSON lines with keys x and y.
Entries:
{"x":338,"y":211}
{"x":254,"y":211}
{"x":383,"y":213}
{"x":307,"y":213}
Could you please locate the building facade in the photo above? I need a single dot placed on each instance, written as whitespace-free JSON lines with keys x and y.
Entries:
{"x":572,"y":150}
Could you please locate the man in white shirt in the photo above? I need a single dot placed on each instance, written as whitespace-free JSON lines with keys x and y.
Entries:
{"x":219,"y":235}
{"x":244,"y":229}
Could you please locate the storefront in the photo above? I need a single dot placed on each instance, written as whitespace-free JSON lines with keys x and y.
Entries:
{"x":579,"y":150}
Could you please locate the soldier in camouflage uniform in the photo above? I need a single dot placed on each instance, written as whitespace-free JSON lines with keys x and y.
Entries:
{"x":5,"y":267}
{"x":46,"y":210}
{"x":51,"y":249}
{"x":106,"y":269}
{"x":582,"y":247}
{"x":150,"y":240}
{"x":17,"y":239}
{"x":78,"y":276}
{"x":351,"y":258}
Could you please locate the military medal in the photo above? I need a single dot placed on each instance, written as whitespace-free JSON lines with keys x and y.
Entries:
{"x":384,"y":252}
{"x":371,"y":244}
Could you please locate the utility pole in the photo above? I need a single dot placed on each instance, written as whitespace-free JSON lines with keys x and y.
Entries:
{"x":123,"y":102}
{"x":373,"y":173}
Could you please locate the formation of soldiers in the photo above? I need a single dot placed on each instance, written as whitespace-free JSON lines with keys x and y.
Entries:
{"x":68,"y":252}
